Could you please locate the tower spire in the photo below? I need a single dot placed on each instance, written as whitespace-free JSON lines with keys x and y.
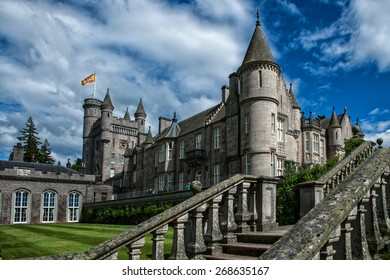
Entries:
{"x":258,"y":18}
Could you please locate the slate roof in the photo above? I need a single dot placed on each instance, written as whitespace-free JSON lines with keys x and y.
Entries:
{"x":55,"y":168}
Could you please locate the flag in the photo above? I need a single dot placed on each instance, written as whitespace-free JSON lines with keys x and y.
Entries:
{"x":90,"y":79}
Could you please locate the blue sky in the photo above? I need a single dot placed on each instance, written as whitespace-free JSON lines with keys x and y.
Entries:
{"x":176,"y":56}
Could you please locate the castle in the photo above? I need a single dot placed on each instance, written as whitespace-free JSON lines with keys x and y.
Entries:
{"x":255,"y":129}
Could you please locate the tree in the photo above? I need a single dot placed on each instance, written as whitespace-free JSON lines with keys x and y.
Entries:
{"x":78,"y":163}
{"x":352,"y":144}
{"x":31,"y":141}
{"x":45,"y":152}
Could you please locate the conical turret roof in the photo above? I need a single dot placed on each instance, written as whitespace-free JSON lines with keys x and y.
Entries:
{"x":140,"y":110}
{"x":258,"y":49}
{"x":334,"y":122}
{"x":107,"y":100}
{"x":127,"y":115}
{"x":293,"y":99}
{"x":149,"y":138}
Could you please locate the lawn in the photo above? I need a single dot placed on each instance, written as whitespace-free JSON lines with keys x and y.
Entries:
{"x":27,"y":241}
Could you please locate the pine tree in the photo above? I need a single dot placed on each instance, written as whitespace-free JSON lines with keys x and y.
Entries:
{"x":31,"y":141}
{"x":45,"y":152}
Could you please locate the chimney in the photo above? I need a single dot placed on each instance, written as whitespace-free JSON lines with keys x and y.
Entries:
{"x":18,"y":152}
{"x":225,"y":93}
{"x":163,"y":123}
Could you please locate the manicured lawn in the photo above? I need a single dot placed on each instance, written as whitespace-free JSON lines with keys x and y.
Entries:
{"x":27,"y":241}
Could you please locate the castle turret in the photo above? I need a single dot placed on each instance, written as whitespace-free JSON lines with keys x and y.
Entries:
{"x":106,"y":136}
{"x":335,"y":137}
{"x":92,"y":112}
{"x":140,"y":116}
{"x":259,"y":79}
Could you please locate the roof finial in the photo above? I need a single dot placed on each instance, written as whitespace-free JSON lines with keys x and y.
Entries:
{"x":258,"y":18}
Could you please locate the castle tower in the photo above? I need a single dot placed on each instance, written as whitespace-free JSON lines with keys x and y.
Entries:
{"x":335,"y":137}
{"x":259,"y":78}
{"x":92,"y":112}
{"x":296,"y":124}
{"x":140,"y":117}
{"x":106,"y":136}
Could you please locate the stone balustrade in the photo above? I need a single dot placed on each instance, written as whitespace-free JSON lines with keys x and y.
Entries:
{"x":200,"y":223}
{"x":312,"y":192}
{"x":351,"y":222}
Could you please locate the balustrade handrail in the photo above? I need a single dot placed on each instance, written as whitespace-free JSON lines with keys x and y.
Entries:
{"x":111,"y":246}
{"x":310,"y":234}
{"x":342,"y":164}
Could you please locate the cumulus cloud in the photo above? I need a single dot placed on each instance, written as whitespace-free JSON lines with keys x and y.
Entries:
{"x":179,"y":54}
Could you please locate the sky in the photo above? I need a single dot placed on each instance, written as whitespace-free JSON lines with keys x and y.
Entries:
{"x":176,"y":55}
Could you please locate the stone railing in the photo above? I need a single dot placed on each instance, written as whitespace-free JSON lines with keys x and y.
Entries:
{"x":312,"y":192}
{"x":239,"y":204}
{"x":351,"y":222}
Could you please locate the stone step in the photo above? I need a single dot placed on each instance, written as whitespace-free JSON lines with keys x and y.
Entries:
{"x":224,"y":256}
{"x":269,"y":237}
{"x":245,"y":249}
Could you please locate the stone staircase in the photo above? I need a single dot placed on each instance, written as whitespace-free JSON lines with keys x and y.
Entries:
{"x":250,"y":245}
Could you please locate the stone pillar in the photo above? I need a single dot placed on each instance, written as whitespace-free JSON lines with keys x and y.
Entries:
{"x":329,"y":251}
{"x":310,"y":194}
{"x":252,"y":207}
{"x":135,"y":249}
{"x":158,"y":243}
{"x":363,"y":237}
{"x":213,"y":235}
{"x":197,"y":246}
{"x":348,"y":234}
{"x":242,"y":215}
{"x":266,"y":204}
{"x":228,"y":225}
{"x":378,"y":241}
{"x":178,"y":245}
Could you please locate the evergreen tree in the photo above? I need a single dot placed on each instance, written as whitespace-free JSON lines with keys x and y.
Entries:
{"x":45,"y":152}
{"x":31,"y":141}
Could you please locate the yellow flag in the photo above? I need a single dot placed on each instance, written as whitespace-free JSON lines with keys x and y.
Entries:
{"x":90,"y":79}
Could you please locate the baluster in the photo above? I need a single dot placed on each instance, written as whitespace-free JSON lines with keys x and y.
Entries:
{"x":135,"y":249}
{"x":197,"y":246}
{"x":213,"y":235}
{"x":178,"y":245}
{"x":158,"y":243}
{"x":379,"y":242}
{"x":228,"y":225}
{"x":384,"y":203}
{"x":252,"y":207}
{"x":113,"y":256}
{"x":329,"y":250}
{"x":242,"y":215}
{"x":363,"y":237}
{"x":348,"y":233}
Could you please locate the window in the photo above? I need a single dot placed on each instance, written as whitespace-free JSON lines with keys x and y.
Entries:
{"x":134,"y":176}
{"x":156,"y":153}
{"x":104,"y":196}
{"x":337,"y":135}
{"x":280,"y":167}
{"x":113,"y":158}
{"x":217,"y":173}
{"x":198,"y":141}
{"x":21,"y":207}
{"x":161,"y":182}
{"x":49,"y":207}
{"x":272,"y":122}
{"x":198,"y":176}
{"x":246,"y":123}
{"x":113,"y":142}
{"x":161,"y":153}
{"x":170,"y":182}
{"x":280,"y":130}
{"x":73,"y":207}
{"x":135,"y":159}
{"x":122,"y":159}
{"x":307,"y":141}
{"x":181,"y":181}
{"x":247,"y":163}
{"x":112,"y":172}
{"x":322,"y":148}
{"x":260,"y":79}
{"x":86,"y":145}
{"x":169,"y":151}
{"x":217,"y":138}
{"x":272,"y":164}
{"x":316,"y":143}
{"x":181,"y":150}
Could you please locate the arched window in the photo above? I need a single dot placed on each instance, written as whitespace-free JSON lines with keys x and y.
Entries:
{"x":21,"y":204}
{"x":49,"y":207}
{"x":73,"y":207}
{"x":198,"y":176}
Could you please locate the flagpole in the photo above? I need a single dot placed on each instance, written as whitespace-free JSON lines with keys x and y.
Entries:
{"x":94,"y":86}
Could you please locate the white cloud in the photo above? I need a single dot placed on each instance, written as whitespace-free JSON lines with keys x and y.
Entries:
{"x":178,"y":54}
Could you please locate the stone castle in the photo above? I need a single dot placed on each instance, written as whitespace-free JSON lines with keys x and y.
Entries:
{"x":255,"y":129}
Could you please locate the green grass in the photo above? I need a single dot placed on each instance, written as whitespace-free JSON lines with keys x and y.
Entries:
{"x":27,"y":241}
